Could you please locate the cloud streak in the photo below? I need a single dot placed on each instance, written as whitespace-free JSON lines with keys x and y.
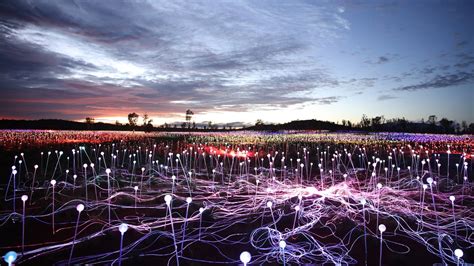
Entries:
{"x":441,"y":81}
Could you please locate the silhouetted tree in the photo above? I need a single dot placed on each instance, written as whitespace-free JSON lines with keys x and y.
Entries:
{"x":183,"y":125}
{"x":377,"y":121}
{"x":133,"y":119}
{"x":145,"y":119}
{"x":364,"y":121}
{"x":432,"y":120}
{"x":90,"y":120}
{"x":259,"y":122}
{"x":446,"y":124}
{"x":464,"y":126}
{"x":149,"y":125}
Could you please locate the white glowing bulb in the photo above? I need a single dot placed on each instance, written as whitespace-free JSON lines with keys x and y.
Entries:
{"x":123,"y":228}
{"x":168,"y":199}
{"x":382,"y":228}
{"x":80,"y":207}
{"x":458,"y":253}
{"x":245,"y":257}
{"x":282,"y":244}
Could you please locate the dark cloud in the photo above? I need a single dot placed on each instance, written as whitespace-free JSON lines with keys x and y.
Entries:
{"x":385,"y":97}
{"x":382,"y":60}
{"x":441,"y":81}
{"x":462,"y":43}
{"x":465,"y":60}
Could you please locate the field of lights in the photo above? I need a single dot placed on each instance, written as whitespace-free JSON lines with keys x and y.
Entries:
{"x":239,"y":198}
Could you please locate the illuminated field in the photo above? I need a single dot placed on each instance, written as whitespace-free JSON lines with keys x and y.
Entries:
{"x":205,"y":198}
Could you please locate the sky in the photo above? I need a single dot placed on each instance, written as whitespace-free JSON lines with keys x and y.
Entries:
{"x":236,"y":61}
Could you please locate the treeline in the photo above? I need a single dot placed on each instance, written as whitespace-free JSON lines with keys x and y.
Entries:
{"x":90,"y":124}
{"x":376,"y":124}
{"x":58,"y":124}
{"x":431,"y":125}
{"x":298,"y":125}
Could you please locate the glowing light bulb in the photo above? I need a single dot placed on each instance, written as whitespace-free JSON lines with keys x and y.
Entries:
{"x":189,"y":200}
{"x":24,"y":198}
{"x":282,"y":244}
{"x":245,"y":257}
{"x":10,"y":257}
{"x":382,"y":228}
{"x":269,"y":204}
{"x":458,"y":253}
{"x":168,"y":199}
{"x":452,"y":198}
{"x":80,"y":207}
{"x":123,"y":228}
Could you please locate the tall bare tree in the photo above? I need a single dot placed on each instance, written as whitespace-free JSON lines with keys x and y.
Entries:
{"x":189,"y":116}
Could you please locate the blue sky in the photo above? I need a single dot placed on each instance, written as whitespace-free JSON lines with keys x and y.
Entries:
{"x":237,"y":61}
